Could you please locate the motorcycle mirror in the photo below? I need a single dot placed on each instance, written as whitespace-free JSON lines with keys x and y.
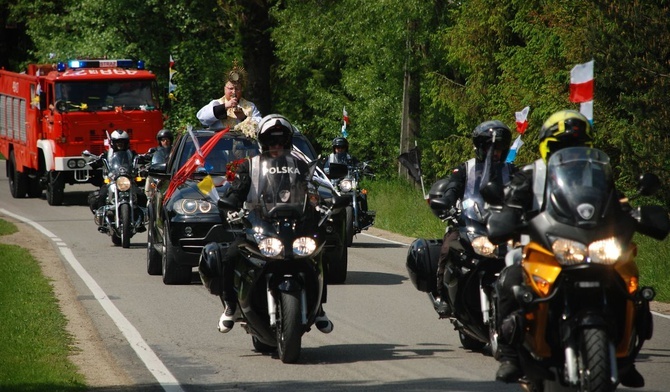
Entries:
{"x":86,"y":153}
{"x":340,"y":201}
{"x":338,"y":170}
{"x":501,"y":225}
{"x":151,"y":150}
{"x":648,"y":184}
{"x":653,"y":221}
{"x":226,"y":204}
{"x":158,"y":170}
{"x":493,"y":193}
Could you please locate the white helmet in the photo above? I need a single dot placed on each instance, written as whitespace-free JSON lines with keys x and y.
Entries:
{"x":273,"y":129}
{"x":120,"y":140}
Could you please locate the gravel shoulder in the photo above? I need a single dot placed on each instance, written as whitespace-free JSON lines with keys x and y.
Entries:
{"x":98,"y":366}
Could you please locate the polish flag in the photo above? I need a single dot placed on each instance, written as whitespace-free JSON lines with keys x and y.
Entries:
{"x":522,"y":120}
{"x":581,"y":82}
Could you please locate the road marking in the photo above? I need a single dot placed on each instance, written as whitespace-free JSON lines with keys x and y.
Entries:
{"x":132,"y":335}
{"x":384,"y":239}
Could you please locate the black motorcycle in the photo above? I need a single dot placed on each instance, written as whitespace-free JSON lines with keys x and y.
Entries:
{"x":468,"y":277}
{"x":122,"y":216}
{"x":358,"y":216}
{"x":280,"y":278}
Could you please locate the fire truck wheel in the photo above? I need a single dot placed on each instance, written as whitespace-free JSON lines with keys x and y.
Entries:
{"x":55,"y":188}
{"x":18,"y":182}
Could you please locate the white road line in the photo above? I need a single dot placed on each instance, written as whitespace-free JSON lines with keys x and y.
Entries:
{"x":384,"y":239}
{"x":132,"y":335}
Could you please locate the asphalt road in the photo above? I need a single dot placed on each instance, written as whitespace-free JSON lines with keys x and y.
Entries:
{"x":386,"y":336}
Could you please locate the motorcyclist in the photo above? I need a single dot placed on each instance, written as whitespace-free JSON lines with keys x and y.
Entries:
{"x":524,"y":197}
{"x":119,"y":144}
{"x":492,"y":142}
{"x":341,"y":155}
{"x":165,"y":140}
{"x":275,"y":138}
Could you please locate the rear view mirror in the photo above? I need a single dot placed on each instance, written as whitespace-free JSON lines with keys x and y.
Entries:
{"x":648,"y":184}
{"x":493,"y":193}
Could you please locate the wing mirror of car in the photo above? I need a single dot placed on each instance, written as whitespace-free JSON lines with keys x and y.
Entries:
{"x":337,"y":170}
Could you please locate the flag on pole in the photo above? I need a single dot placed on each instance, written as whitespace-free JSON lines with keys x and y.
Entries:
{"x":522,"y":120}
{"x":195,"y":161}
{"x":208,"y":188}
{"x":514,"y":150}
{"x":412,"y":161}
{"x":171,"y":85}
{"x":345,"y":122}
{"x":586,"y":108}
{"x":581,"y":82}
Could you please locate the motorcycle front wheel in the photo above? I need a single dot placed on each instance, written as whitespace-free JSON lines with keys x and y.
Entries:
{"x":350,"y":226}
{"x":594,"y":361}
{"x":124,"y":217}
{"x":289,"y":327}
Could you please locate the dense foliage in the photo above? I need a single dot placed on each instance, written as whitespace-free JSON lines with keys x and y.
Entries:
{"x":308,"y":59}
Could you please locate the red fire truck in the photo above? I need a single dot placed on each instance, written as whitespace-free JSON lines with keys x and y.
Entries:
{"x":52,"y":113}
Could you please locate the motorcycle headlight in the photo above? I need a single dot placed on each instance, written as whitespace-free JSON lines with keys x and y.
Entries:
{"x":483,"y":246}
{"x":605,"y":251}
{"x":569,"y":252}
{"x":304,"y":246}
{"x":193,"y":206}
{"x":270,"y":247}
{"x":123,"y":183}
{"x":346,"y":185}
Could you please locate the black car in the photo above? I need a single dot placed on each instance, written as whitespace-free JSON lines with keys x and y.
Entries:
{"x":179,"y":227}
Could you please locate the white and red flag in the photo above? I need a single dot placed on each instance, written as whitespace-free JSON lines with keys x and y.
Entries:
{"x":522,"y":120}
{"x":581,"y":82}
{"x":345,"y":122}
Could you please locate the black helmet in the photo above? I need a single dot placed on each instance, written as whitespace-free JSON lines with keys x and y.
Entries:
{"x":566,"y":128}
{"x":488,"y":133}
{"x":163,"y":134}
{"x":120,"y":140}
{"x":340,"y":142}
{"x":273,"y":129}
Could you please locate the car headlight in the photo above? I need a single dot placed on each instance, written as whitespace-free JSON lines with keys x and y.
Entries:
{"x":346,"y":185}
{"x":123,"y":183}
{"x":193,"y":206}
{"x":270,"y":247}
{"x":569,"y":252}
{"x":304,"y":246}
{"x":483,"y":246}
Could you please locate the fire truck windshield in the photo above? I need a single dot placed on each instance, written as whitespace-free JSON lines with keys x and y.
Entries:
{"x":106,"y":95}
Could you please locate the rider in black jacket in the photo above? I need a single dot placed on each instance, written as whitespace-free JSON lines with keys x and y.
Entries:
{"x":492,"y":142}
{"x":275,"y":137}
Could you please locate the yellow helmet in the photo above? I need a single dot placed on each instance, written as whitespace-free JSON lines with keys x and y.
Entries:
{"x":567,"y":128}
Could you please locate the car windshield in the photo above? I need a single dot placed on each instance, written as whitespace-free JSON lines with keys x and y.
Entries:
{"x":107,"y":95}
{"x":227,"y":150}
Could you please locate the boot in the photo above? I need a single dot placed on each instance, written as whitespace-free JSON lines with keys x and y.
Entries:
{"x":323,"y":323}
{"x":632,"y":378}
{"x":227,"y":320}
{"x":509,"y":371}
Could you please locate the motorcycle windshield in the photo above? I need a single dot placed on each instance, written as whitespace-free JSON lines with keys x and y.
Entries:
{"x":579,"y":185}
{"x":472,"y":209}
{"x":281,"y":189}
{"x":121,"y":162}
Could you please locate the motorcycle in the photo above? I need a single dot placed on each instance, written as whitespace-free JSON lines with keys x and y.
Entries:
{"x":279,"y":279}
{"x":122,"y":216}
{"x":358,"y":217}
{"x":583,"y":314}
{"x":468,"y":277}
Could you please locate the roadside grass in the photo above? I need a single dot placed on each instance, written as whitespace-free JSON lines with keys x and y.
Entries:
{"x":401,"y":209}
{"x":34,"y":344}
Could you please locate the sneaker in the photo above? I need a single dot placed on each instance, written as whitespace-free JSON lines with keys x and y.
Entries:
{"x":632,"y":378}
{"x":323,"y":323}
{"x":508,"y":372}
{"x":227,"y":320}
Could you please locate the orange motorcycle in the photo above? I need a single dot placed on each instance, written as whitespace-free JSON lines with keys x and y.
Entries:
{"x":584,"y":316}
